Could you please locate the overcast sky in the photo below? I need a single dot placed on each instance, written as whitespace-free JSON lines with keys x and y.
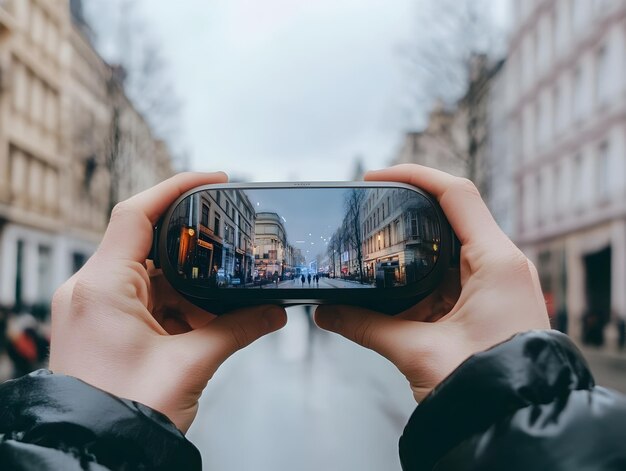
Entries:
{"x":310,"y":215}
{"x":286,"y":89}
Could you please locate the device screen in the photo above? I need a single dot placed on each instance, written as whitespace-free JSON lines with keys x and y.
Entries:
{"x":295,"y":238}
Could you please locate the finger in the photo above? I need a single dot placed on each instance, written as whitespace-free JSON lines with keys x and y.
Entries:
{"x":223,"y":336}
{"x":460,"y":200}
{"x":438,"y":303}
{"x":166,"y":302}
{"x":367,"y":328}
{"x":129,"y":234}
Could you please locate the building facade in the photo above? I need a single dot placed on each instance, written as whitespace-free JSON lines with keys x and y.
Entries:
{"x":566,"y":113}
{"x":211,"y":235}
{"x":442,"y":144}
{"x":55,"y":120}
{"x":273,"y":254}
{"x":400,"y":237}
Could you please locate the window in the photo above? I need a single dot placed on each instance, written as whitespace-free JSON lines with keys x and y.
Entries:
{"x":19,"y":274}
{"x":603,"y":77}
{"x":578,"y":14}
{"x":227,"y":207}
{"x":538,"y":209}
{"x":216,"y":224}
{"x":557,"y":203}
{"x":44,"y":274}
{"x":205,"y":215}
{"x":577,"y":180}
{"x":579,"y":91}
{"x":78,"y":260}
{"x":218,"y":197}
{"x":560,"y":27}
{"x":602,"y":172}
{"x":559,"y":109}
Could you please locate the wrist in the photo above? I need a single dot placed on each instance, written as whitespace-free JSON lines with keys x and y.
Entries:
{"x":530,"y":368}
{"x":64,"y":412}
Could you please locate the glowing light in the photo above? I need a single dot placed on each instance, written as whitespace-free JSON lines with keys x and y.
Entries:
{"x":191,"y":232}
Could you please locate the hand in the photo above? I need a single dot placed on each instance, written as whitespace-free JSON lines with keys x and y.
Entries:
{"x":118,"y":325}
{"x":497,"y":295}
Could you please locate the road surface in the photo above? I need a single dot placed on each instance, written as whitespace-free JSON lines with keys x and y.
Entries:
{"x":324,"y":283}
{"x":303,"y":399}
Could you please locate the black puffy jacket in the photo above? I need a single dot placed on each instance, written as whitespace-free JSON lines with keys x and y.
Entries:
{"x":527,"y":404}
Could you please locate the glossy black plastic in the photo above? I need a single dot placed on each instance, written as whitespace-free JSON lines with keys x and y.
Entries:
{"x":213,"y":268}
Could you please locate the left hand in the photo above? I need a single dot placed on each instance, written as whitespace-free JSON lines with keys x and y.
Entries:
{"x":118,"y":325}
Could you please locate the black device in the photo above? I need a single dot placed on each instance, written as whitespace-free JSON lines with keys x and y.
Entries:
{"x":379,"y":245}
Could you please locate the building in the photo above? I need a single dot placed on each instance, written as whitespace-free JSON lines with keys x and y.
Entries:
{"x":400,"y":236}
{"x":56,"y":112}
{"x":272,"y":252}
{"x":457,"y":139}
{"x":211,"y":235}
{"x":566,"y":109}
{"x":442,"y":144}
{"x":33,"y":152}
{"x":499,"y":153}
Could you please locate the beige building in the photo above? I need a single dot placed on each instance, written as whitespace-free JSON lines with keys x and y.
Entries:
{"x":55,"y":121}
{"x":400,"y":239}
{"x":457,"y":139}
{"x":272,"y":252}
{"x":442,"y":144}
{"x":566,"y":109}
{"x":212,"y":236}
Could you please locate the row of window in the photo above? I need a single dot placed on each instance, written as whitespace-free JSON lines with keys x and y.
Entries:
{"x":554,"y":36}
{"x":557,"y":29}
{"x":33,"y":180}
{"x":567,"y":187}
{"x":44,"y":31}
{"x":33,"y":98}
{"x":571,"y":100}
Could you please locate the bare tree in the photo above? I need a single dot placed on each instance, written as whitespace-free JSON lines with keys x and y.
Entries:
{"x":449,"y":60}
{"x":125,"y":40}
{"x":354,"y":236}
{"x":334,"y":250}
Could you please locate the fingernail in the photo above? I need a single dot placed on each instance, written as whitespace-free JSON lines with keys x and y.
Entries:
{"x":275,"y":317}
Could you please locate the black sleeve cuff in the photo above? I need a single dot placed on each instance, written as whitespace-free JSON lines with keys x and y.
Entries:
{"x":534,"y":367}
{"x":42,"y":413}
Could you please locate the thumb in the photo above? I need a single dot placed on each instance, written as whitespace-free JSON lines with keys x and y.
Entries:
{"x":223,"y":336}
{"x":369,"y":329}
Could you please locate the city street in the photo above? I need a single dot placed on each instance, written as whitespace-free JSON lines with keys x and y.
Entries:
{"x":308,"y":400}
{"x":304,"y":400}
{"x":324,"y":283}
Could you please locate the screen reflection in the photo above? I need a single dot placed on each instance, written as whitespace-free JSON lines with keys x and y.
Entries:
{"x":303,"y":238}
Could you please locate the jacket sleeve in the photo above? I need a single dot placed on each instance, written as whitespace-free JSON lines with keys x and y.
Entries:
{"x":52,"y":422}
{"x":527,"y":404}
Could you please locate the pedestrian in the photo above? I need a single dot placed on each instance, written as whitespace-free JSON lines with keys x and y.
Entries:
{"x":127,"y":366}
{"x":309,"y":279}
{"x":317,"y":280}
{"x":303,"y":280}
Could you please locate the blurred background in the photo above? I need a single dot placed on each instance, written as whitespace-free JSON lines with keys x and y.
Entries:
{"x":100,"y":99}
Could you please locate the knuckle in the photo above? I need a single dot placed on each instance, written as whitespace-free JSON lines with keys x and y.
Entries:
{"x":60,"y":299}
{"x":364,"y":332}
{"x":465,"y":185}
{"x":239,"y":334}
{"x":121,"y":210}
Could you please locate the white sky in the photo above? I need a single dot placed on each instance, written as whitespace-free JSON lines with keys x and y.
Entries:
{"x":287,"y":89}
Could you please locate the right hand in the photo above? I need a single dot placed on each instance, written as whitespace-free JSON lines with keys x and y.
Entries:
{"x":496,"y":296}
